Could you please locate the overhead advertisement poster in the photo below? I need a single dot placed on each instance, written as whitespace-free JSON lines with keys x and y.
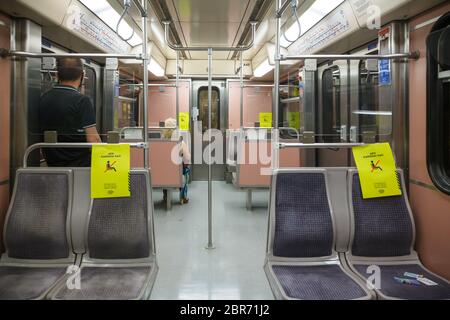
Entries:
{"x":377,"y":171}
{"x":110,"y":171}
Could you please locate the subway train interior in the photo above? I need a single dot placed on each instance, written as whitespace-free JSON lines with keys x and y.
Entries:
{"x":225,"y":150}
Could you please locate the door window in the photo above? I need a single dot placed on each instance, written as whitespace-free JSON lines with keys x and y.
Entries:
{"x":203,"y":108}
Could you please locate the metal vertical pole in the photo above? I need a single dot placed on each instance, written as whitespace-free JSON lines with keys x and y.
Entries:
{"x":277,"y":68}
{"x":176,"y":85}
{"x":241,"y":76}
{"x":275,"y":149}
{"x":210,"y":241}
{"x":145,"y":80}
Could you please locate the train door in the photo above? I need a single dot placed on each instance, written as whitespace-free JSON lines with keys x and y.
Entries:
{"x":200,"y":126}
{"x":332,"y":115}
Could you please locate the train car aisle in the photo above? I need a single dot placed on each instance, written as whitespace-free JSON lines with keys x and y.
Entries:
{"x":234,"y":269}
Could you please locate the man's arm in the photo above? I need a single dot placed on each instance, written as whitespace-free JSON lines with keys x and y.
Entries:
{"x":88,"y":121}
{"x":92,"y":135}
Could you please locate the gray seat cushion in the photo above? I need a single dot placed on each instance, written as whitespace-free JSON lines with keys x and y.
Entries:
{"x":36,"y":228}
{"x":22,"y":283}
{"x":391,"y":288}
{"x":383,"y":226}
{"x":303,"y":225}
{"x":323,"y":282}
{"x":118,"y":227}
{"x":99,"y":283}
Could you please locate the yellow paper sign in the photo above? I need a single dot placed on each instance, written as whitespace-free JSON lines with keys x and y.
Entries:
{"x":294,"y":119}
{"x":377,"y":170}
{"x":265,"y":119}
{"x":110,"y":171}
{"x":183,"y":120}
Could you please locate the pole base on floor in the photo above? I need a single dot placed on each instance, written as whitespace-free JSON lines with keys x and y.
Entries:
{"x":249,"y":200}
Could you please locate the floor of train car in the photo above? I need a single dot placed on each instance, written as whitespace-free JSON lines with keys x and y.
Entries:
{"x":234,"y":269}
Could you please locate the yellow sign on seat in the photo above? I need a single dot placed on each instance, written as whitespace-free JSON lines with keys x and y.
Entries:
{"x":110,"y":171}
{"x":377,"y":170}
{"x":183,"y":120}
{"x":265,"y":119}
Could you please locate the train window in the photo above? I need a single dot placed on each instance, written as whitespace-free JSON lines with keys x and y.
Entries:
{"x":89,"y":85}
{"x":331,"y":113}
{"x":446,"y":118}
{"x":203,"y":108}
{"x":438,"y":104}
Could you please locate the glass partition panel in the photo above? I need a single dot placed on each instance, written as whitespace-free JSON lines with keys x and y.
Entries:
{"x":331,"y":105}
{"x":372,"y":115}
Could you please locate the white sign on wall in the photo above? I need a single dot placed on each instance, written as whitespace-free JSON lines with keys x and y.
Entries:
{"x":322,"y":34}
{"x":94,"y":30}
{"x":361,"y":7}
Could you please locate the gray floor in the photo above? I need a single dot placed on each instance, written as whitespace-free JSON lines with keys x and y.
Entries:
{"x":234,"y":269}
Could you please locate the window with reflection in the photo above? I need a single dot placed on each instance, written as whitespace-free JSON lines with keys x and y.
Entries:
{"x":126,"y":113}
{"x":446,"y":120}
{"x":368,"y":97}
{"x":203,"y":108}
{"x":331,"y":105}
{"x":89,"y":85}
{"x":438,"y":104}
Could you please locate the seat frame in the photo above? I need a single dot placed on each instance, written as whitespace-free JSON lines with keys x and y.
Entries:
{"x":6,"y":261}
{"x":411,"y":259}
{"x":333,"y":259}
{"x":82,"y":227}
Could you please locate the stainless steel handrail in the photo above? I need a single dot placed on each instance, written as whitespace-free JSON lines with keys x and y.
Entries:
{"x":283,"y":8}
{"x":258,"y":85}
{"x":142,"y":8}
{"x":122,"y":130}
{"x":139,"y":145}
{"x":25,"y":54}
{"x":410,"y":55}
{"x":282,"y":145}
{"x":149,"y":85}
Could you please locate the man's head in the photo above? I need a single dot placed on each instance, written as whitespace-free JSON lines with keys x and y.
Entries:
{"x":70,"y":71}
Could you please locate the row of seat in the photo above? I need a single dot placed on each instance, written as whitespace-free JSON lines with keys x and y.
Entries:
{"x":53,"y":229}
{"x":326,"y":242}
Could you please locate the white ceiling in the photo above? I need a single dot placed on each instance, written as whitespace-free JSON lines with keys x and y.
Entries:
{"x":210,"y":23}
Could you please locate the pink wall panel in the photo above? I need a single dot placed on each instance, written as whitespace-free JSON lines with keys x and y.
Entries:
{"x":432,"y":216}
{"x":163,"y":171}
{"x":234,"y":115}
{"x":162,"y":102}
{"x":256,"y":100}
{"x":289,"y":158}
{"x":251,"y":166}
{"x":431,"y":208}
{"x":184,"y":96}
{"x":136,"y":158}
